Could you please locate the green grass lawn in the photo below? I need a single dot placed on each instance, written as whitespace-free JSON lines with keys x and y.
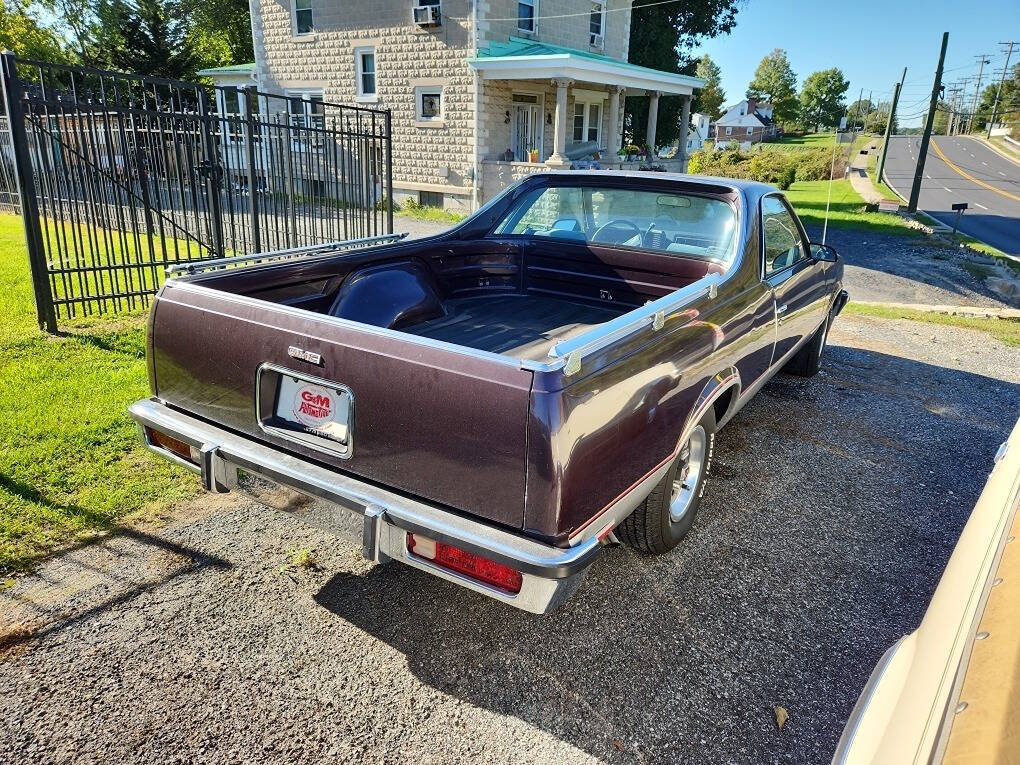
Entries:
{"x":1005,"y":330}
{"x":809,"y":141}
{"x":846,"y":209}
{"x":71,"y":464}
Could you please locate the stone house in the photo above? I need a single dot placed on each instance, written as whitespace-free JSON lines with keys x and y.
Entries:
{"x":481,"y":92}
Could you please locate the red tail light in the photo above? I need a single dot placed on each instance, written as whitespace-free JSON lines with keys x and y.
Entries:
{"x":173,"y":445}
{"x":463,"y":562}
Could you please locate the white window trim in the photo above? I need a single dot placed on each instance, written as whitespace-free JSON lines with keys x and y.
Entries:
{"x":298,"y":141}
{"x":293,"y":22}
{"x":589,"y":97}
{"x":534,"y":19}
{"x":360,"y":95}
{"x":750,"y":131}
{"x":421,"y":121}
{"x":729,"y":130}
{"x":602,"y":26}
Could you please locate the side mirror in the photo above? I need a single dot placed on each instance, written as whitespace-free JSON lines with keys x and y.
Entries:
{"x":824,"y":253}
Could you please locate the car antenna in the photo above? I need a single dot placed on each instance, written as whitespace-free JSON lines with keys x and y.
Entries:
{"x":828,"y":197}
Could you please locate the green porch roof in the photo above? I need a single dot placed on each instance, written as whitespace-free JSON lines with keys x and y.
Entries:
{"x":232,"y":69}
{"x":530,"y":59}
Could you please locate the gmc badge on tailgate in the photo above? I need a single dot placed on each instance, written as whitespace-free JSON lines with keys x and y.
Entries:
{"x":312,"y":358}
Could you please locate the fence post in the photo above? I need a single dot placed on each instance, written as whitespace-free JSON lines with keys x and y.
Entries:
{"x":251,"y":104}
{"x":212,"y":174}
{"x":389,"y":172}
{"x":26,"y":191}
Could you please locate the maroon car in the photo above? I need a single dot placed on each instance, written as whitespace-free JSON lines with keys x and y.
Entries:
{"x":492,"y":404}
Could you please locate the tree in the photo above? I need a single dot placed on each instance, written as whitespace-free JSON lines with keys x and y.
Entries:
{"x":940,"y":126}
{"x":660,"y":37}
{"x":221,"y":31}
{"x":1009,"y":100}
{"x":148,"y":37}
{"x":22,"y":33}
{"x":821,"y":98}
{"x":775,"y":82}
{"x":858,"y":111}
{"x":709,"y":99}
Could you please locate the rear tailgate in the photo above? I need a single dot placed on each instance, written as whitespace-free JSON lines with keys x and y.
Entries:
{"x":440,"y":423}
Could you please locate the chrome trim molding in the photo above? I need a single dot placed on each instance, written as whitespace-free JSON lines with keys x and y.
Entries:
{"x":846,"y":739}
{"x":550,"y":573}
{"x":601,"y":335}
{"x":331,"y":248}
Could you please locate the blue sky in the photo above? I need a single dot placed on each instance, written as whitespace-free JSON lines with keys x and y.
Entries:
{"x":871,"y":41}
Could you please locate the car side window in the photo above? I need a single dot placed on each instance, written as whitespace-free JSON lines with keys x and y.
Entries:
{"x":783,"y":243}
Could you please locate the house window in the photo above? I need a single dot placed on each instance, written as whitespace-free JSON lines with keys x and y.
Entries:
{"x":596,"y":24}
{"x":430,"y":199}
{"x":587,"y":122}
{"x":526,"y":15}
{"x":307,"y":116}
{"x":303,"y":17}
{"x":429,"y":104}
{"x":750,"y":131}
{"x":364,"y":60}
{"x":729,"y":131}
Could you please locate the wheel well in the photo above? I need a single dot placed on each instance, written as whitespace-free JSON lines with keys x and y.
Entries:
{"x":722,"y":404}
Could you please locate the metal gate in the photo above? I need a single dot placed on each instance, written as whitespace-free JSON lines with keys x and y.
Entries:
{"x":121,"y":175}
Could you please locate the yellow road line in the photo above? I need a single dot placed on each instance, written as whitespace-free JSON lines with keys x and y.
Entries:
{"x":969,"y":177}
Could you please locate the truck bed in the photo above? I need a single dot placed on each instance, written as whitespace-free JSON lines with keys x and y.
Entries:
{"x":524,"y":326}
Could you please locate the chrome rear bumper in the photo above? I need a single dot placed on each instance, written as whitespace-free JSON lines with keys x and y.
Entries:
{"x":376,"y":519}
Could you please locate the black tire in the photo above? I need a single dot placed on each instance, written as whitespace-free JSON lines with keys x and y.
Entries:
{"x":650,"y":528}
{"x":807,"y":361}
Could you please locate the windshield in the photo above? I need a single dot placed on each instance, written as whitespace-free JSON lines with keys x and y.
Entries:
{"x":673,"y":223}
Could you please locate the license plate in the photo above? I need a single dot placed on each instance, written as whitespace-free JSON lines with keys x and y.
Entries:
{"x":319,"y":410}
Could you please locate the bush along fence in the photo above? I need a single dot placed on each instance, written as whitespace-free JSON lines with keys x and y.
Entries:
{"x":118,"y":176}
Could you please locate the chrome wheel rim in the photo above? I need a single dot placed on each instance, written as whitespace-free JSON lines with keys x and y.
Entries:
{"x":688,"y":474}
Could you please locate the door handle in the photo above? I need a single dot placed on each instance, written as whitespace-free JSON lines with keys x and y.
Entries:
{"x":781,"y":309}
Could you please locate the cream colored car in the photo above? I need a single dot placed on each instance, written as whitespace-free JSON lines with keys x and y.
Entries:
{"x":950,"y":692}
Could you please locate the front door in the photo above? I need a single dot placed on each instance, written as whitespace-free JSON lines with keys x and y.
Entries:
{"x":527,"y":126}
{"x":798,"y":284}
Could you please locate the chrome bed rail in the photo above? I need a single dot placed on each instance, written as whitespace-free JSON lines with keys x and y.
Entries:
{"x":569,"y":353}
{"x":277,"y":255}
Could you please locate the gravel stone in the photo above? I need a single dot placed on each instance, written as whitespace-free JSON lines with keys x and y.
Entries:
{"x":833,"y":507}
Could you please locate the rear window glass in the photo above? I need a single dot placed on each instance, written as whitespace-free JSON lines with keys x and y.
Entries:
{"x":672,"y":223}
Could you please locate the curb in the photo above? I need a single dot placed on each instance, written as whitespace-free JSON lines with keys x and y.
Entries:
{"x":996,"y":149}
{"x":956,"y":310}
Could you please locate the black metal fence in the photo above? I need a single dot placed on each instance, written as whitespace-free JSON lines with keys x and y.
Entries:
{"x":117,"y":176}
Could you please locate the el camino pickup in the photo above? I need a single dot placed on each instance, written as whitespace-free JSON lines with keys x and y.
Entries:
{"x":492,"y":404}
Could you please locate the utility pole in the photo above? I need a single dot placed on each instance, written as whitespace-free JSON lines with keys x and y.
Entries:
{"x":888,"y":126}
{"x":998,"y":93}
{"x":915,"y":189}
{"x":982,"y":60}
{"x":954,"y":114}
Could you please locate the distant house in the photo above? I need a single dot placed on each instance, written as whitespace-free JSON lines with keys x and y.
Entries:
{"x":747,"y":122}
{"x":697,"y":131}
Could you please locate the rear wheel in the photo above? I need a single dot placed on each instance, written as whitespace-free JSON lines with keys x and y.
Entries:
{"x":665,"y":517}
{"x":807,"y":361}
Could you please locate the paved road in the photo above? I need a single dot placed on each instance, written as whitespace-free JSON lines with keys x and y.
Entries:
{"x":962,"y":169}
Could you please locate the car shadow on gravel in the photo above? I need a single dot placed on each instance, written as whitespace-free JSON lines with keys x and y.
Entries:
{"x":833,"y":509}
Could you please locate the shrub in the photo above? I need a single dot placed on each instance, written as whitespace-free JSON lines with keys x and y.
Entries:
{"x":771,"y":165}
{"x":816,"y":164}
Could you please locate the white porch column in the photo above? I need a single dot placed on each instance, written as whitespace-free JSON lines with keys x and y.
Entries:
{"x":685,"y":129}
{"x":613,"y":144}
{"x":653,"y":117}
{"x":559,"y":156}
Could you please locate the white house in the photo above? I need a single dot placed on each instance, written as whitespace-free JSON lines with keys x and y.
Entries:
{"x":746,"y":122}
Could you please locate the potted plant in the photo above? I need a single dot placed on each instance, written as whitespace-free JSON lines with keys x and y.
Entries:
{"x":630,"y":152}
{"x":533,"y":154}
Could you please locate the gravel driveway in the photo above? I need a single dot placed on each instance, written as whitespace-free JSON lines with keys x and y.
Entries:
{"x":886,"y":268}
{"x":833,"y":508}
